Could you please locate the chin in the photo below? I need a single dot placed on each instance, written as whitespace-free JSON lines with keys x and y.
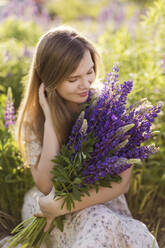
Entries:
{"x":82,"y":100}
{"x":78,"y":100}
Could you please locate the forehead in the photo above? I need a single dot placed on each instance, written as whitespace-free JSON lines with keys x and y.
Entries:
{"x":84,"y":65}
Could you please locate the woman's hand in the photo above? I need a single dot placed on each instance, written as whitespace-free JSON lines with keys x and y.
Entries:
{"x":43,"y":101}
{"x":48,"y":208}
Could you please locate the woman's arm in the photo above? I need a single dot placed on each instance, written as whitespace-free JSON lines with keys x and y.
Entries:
{"x":51,"y":208}
{"x":41,"y":173}
{"x":103,"y":195}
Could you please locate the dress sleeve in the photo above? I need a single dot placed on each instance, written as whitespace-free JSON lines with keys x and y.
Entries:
{"x":33,"y":149}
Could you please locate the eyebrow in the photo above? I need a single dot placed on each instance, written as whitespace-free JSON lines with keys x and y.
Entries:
{"x":80,"y":75}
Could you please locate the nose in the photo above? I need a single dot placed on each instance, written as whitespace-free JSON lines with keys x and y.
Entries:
{"x":84,"y":83}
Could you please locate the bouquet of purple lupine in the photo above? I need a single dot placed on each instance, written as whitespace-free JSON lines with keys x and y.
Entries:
{"x":105,"y":140}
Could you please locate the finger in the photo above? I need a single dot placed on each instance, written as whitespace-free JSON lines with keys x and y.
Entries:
{"x":41,"y":87}
{"x":41,"y":200}
{"x":48,"y":224}
{"x":42,"y":91}
{"x":39,"y":214}
{"x":53,"y":191}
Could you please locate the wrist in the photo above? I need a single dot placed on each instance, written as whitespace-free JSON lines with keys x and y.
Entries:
{"x":48,"y":119}
{"x":48,"y":124}
{"x":50,"y":131}
{"x":58,"y":202}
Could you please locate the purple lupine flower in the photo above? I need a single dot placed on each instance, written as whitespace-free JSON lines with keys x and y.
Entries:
{"x":137,"y":138}
{"x":9,"y":116}
{"x":75,"y":134}
{"x":119,"y":130}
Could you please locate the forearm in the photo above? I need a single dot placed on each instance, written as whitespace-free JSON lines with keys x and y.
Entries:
{"x":41,"y":173}
{"x":103,"y":195}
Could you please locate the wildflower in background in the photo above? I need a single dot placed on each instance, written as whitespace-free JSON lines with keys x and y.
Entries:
{"x":9,"y":74}
{"x":6,"y":57}
{"x":9,"y":110}
{"x":26,"y":52}
{"x":115,"y":11}
{"x":163,"y":65}
{"x":27,"y":10}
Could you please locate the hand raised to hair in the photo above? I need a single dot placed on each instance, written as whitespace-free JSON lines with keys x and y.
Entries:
{"x":43,"y":101}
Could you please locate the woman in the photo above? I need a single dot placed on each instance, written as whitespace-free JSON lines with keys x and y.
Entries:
{"x":64,"y":68}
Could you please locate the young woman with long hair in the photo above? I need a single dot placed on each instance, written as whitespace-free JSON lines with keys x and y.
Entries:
{"x":64,"y":67}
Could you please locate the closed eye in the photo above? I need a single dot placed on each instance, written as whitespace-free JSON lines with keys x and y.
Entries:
{"x":71,"y":81}
{"x":88,"y":73}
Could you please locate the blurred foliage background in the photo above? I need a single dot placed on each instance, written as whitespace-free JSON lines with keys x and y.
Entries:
{"x":124,"y":31}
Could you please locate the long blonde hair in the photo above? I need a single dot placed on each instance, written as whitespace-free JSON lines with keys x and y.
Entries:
{"x":57,"y":54}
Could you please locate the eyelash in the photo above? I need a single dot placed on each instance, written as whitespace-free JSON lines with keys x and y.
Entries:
{"x":71,"y":81}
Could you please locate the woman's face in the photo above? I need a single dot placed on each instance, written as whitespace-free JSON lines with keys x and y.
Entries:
{"x":78,"y":82}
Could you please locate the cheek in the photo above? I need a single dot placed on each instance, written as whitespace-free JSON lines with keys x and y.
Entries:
{"x":63,"y":90}
{"x":72,"y":87}
{"x":66,"y":88}
{"x":92,"y":77}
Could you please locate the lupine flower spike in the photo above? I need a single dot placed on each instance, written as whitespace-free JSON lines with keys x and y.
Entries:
{"x":9,"y":116}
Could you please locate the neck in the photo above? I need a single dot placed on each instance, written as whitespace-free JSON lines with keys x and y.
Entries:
{"x":74,"y":107}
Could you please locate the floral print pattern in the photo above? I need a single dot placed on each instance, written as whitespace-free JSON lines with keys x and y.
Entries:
{"x":108,"y":225}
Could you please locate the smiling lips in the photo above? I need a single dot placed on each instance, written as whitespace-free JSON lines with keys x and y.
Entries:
{"x":83,"y":94}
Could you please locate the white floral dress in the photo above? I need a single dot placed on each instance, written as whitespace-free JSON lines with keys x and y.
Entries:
{"x":108,"y":225}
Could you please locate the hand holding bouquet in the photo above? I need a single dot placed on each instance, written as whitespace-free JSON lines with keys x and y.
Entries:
{"x":105,"y":140}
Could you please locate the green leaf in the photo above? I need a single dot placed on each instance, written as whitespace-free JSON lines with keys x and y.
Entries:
{"x":73,"y":204}
{"x":97,"y":188}
{"x":77,"y":180}
{"x":59,"y":222}
{"x":60,"y":173}
{"x":80,"y":158}
{"x":66,"y":159}
{"x":64,"y":202}
{"x":105,"y":184}
{"x":85,"y":191}
{"x":76,"y":194}
{"x":68,"y":204}
{"x":72,"y":149}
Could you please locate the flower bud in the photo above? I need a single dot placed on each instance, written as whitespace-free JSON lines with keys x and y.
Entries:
{"x":153,"y":149}
{"x":121,"y":145}
{"x":77,"y":180}
{"x":134,"y":161}
{"x":84,"y":127}
{"x":124,"y":129}
{"x":81,"y":116}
